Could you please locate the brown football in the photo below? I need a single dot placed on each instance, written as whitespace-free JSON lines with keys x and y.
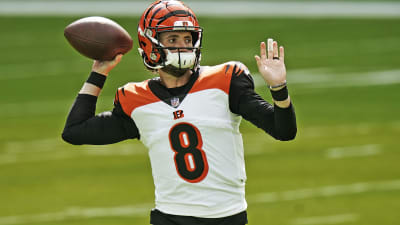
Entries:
{"x":98,"y":38}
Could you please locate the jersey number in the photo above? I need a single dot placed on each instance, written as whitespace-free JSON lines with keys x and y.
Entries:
{"x":190,"y":160}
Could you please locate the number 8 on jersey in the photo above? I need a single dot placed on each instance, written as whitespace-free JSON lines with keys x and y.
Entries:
{"x":190,"y":160}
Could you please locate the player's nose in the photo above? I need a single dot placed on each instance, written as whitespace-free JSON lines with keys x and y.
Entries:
{"x":183,"y":43}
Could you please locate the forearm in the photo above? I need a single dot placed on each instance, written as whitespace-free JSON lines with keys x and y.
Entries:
{"x":284,"y":119}
{"x":285,"y":126}
{"x":84,"y":106}
{"x":278,"y":121}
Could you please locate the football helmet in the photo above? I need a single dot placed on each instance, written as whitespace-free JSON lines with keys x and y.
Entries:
{"x":165,"y":16}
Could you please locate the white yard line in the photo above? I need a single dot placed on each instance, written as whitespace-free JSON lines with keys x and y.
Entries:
{"x":353,"y":151}
{"x":327,"y":191}
{"x":320,"y":78}
{"x":45,"y":107}
{"x":334,"y":219}
{"x":143,"y":209}
{"x":208,"y":8}
{"x":49,"y":68}
{"x":78,"y":213}
{"x":54,"y":149}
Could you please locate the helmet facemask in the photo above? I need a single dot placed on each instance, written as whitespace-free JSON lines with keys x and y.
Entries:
{"x":175,"y":59}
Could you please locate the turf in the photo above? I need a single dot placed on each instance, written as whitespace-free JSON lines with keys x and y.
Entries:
{"x":41,"y":74}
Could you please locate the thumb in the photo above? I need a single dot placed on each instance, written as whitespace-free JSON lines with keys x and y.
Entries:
{"x":115,"y":61}
{"x":118,"y":58}
{"x":258,"y":60}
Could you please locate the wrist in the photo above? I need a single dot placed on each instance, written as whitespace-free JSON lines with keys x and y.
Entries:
{"x":102,"y":72}
{"x":280,"y":93}
{"x":96,"y":79}
{"x":277,"y":86}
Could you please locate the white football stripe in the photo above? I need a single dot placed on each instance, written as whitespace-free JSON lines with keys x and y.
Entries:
{"x":335,"y":219}
{"x":319,"y":79}
{"x":54,"y":149}
{"x":326,"y":191}
{"x":353,"y":151}
{"x":79,"y":213}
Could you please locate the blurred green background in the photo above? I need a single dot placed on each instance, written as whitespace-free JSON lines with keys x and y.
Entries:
{"x":343,"y":167}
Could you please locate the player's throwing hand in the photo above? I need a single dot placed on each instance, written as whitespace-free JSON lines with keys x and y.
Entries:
{"x":104,"y":67}
{"x":271,"y":65}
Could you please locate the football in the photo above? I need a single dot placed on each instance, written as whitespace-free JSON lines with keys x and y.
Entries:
{"x":98,"y":38}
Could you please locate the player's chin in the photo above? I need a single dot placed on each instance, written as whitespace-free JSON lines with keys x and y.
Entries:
{"x":174,"y":71}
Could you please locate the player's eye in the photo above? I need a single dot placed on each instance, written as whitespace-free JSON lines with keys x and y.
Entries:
{"x":171,"y":40}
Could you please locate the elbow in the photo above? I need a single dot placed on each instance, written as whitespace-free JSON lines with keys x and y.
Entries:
{"x":68,"y":137}
{"x":288,"y":136}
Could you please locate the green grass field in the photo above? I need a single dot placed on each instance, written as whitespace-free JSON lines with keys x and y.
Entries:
{"x":343,"y":167}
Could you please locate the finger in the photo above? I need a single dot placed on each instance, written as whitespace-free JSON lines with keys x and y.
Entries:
{"x":282,"y":54}
{"x":270,"y":48}
{"x":263,"y":52}
{"x":258,"y":60}
{"x":275,"y":46}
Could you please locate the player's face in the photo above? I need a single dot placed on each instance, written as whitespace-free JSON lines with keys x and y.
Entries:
{"x":177,"y":39}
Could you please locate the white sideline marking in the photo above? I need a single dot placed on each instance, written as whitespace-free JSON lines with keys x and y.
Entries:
{"x":209,"y":8}
{"x":335,"y":219}
{"x":52,"y":149}
{"x":327,"y":191}
{"x":326,"y":79}
{"x":354,"y":151}
{"x":45,"y":107}
{"x":143,"y":210}
{"x":49,"y":68}
{"x":78,"y":213}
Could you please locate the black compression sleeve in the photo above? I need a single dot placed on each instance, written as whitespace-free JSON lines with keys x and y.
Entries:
{"x":280,"y":123}
{"x":84,"y":127}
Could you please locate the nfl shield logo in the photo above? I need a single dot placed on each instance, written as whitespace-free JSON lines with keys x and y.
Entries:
{"x":175,"y":102}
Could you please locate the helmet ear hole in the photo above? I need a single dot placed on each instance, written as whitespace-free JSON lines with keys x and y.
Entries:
{"x":163,"y":55}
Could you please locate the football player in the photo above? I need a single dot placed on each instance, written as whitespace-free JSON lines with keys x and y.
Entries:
{"x":188,"y":117}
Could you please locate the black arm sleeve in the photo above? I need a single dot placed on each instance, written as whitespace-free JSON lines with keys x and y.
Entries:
{"x":84,"y":127}
{"x":280,"y":123}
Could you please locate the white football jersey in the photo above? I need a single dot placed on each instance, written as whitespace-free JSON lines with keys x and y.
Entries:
{"x":195,"y":147}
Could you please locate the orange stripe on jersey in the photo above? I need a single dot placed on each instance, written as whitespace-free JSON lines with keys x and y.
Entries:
{"x":218,"y":77}
{"x":134,"y":95}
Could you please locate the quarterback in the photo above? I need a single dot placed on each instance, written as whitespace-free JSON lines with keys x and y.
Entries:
{"x":188,"y":117}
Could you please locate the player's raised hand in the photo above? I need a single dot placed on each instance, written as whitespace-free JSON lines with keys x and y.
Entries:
{"x":104,"y":67}
{"x":271,"y":64}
